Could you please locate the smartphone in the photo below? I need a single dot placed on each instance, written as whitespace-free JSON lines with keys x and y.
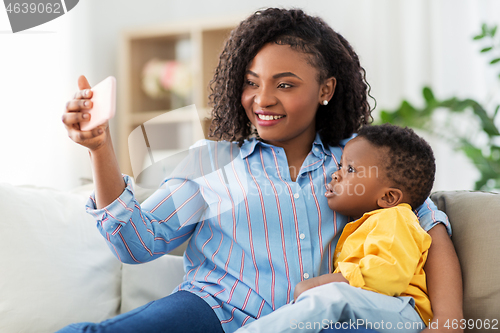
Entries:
{"x":104,"y":104}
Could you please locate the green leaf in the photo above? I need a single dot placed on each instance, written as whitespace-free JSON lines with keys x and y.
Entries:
{"x":484,"y":29}
{"x":456,"y":105}
{"x":385,"y":117}
{"x":486,"y":49}
{"x":407,"y":110}
{"x":488,"y":123}
{"x":485,"y":166}
{"x":496,"y":111}
{"x":448,"y":103}
{"x":494,"y":61}
{"x":493,"y":31}
{"x":480,"y":185}
{"x":428,"y":95}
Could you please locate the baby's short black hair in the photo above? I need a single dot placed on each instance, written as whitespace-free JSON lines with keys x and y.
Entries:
{"x":410,"y":163}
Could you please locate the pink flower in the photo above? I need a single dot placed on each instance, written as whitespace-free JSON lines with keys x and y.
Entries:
{"x":166,"y":76}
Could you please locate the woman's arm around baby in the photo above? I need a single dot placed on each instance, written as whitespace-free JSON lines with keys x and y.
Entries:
{"x":444,"y":283}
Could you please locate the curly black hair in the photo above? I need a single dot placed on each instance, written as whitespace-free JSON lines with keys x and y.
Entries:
{"x":410,"y":161}
{"x":345,"y":113}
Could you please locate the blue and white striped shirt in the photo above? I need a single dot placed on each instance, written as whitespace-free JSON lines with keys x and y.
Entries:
{"x":254,"y":233}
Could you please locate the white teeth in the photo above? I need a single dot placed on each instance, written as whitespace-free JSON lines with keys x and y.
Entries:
{"x":268,"y":117}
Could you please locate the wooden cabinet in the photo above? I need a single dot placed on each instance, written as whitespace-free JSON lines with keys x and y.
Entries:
{"x":196,"y":43}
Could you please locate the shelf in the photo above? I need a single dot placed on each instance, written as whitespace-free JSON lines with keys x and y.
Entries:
{"x":198,"y":44}
{"x":141,"y":117}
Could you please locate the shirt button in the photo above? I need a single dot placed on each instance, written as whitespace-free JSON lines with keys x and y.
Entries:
{"x":306,"y":276}
{"x":302,"y":236}
{"x":316,"y":149}
{"x":338,"y":254}
{"x":296,"y":195}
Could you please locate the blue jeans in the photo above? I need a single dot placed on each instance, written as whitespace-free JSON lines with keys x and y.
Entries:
{"x":181,"y":312}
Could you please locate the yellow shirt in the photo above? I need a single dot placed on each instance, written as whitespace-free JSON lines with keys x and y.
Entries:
{"x":385,"y":251}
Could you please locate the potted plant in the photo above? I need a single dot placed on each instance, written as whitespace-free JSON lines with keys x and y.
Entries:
{"x":481,"y":141}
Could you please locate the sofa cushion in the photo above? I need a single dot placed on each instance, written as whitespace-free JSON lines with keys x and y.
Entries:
{"x":475,"y":220}
{"x":55,"y":266}
{"x":150,"y":281}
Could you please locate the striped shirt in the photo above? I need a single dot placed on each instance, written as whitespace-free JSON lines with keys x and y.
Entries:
{"x":254,"y":232}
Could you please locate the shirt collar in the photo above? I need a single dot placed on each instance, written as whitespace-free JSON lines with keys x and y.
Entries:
{"x":317,"y":147}
{"x":249,"y":145}
{"x":399,"y":206}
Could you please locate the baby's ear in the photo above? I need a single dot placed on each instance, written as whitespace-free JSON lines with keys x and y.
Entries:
{"x":391,"y":198}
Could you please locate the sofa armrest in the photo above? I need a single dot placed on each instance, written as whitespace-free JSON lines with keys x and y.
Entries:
{"x":55,"y":266}
{"x":475,"y":220}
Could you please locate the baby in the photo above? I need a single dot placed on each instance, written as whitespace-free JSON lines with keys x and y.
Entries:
{"x":384,"y":172}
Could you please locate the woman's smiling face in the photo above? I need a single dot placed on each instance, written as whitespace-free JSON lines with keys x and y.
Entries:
{"x":281,"y":95}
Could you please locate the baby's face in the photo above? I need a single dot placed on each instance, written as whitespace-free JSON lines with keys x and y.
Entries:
{"x":360,"y":181}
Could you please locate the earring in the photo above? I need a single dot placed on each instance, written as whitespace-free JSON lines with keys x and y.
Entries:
{"x":325,"y":102}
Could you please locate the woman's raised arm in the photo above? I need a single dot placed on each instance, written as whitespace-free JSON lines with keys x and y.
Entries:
{"x":108,"y":180}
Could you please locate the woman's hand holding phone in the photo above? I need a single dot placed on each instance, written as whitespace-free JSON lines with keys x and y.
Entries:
{"x":77,"y":112}
{"x":108,"y":179}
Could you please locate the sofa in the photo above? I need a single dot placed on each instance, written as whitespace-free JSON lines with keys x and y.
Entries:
{"x":56,"y":269}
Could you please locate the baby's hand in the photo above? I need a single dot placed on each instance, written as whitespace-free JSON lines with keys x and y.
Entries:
{"x":303,"y":286}
{"x":73,"y":115}
{"x":317,"y":281}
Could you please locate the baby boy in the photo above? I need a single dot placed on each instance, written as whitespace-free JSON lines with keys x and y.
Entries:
{"x":378,"y":279}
